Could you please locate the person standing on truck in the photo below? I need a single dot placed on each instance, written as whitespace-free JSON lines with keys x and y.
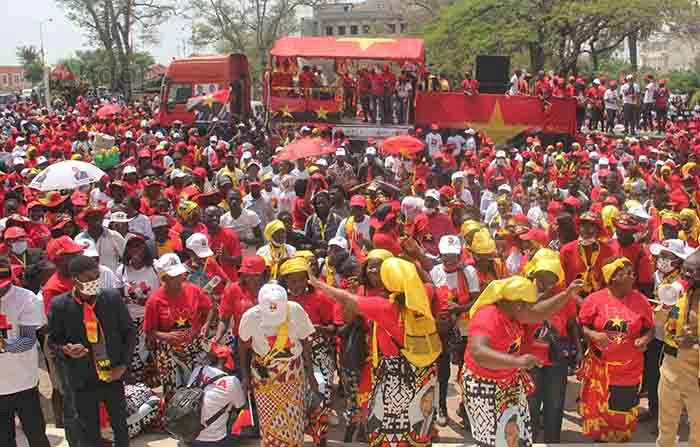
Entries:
{"x":364,"y":88}
{"x":348,"y":94}
{"x":306,"y":80}
{"x":388,"y":91}
{"x":376,"y":103}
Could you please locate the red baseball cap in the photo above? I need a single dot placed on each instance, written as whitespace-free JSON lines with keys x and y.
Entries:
{"x":252,"y":265}
{"x":358,"y":200}
{"x":199,"y":172}
{"x":63,"y":245}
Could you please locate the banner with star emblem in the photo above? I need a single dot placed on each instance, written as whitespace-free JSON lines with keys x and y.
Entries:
{"x":206,"y":107}
{"x":501,"y":117}
{"x":378,"y":48}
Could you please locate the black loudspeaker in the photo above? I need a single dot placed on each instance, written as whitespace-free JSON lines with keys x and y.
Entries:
{"x":492,"y":73}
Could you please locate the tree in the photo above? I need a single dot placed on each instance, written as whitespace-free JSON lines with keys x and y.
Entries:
{"x":92,"y":66}
{"x":111,"y":24}
{"x":250,"y":26}
{"x":31,"y":61}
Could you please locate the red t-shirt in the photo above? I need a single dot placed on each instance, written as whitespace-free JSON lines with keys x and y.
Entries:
{"x":320,"y":308}
{"x":623,"y":320}
{"x":535,"y":346}
{"x":387,"y":317}
{"x":387,"y":240}
{"x":429,"y":230}
{"x":226,"y":241}
{"x":640,"y":257}
{"x":504,"y":335}
{"x":186,"y":311}
{"x":234,"y":302}
{"x":300,"y":212}
{"x":56,"y":285}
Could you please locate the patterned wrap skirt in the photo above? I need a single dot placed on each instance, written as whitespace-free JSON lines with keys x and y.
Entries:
{"x":403,"y":406}
{"x":142,"y":368}
{"x":324,"y":363}
{"x":280,"y":399}
{"x":497,"y":409}
{"x":609,"y":412}
{"x":175,"y":365}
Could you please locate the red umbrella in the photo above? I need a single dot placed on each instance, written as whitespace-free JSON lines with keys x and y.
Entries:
{"x":305,"y":147}
{"x":108,"y":109}
{"x":402,"y":144}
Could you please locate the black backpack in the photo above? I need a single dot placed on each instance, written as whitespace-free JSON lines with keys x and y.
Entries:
{"x":183,"y":413}
{"x":355,"y":350}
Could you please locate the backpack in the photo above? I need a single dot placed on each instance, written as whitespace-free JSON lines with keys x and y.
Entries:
{"x":183,"y":413}
{"x":355,"y":350}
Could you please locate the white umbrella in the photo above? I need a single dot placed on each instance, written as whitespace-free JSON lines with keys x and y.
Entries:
{"x":68,"y":174}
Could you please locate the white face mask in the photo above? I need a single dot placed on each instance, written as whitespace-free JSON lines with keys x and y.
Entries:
{"x":88,"y":288}
{"x":665,"y":265}
{"x":18,"y":247}
{"x":429,"y":211}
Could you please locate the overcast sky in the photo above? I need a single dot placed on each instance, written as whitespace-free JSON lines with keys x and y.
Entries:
{"x":20,"y":26}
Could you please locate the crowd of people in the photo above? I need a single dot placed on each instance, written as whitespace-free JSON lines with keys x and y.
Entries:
{"x":363,"y":275}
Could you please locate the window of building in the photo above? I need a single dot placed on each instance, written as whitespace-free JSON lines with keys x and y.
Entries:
{"x":365,"y":29}
{"x":16,"y":79}
{"x":4,"y":79}
{"x":403,"y":27}
{"x":392,"y":28}
{"x":341,"y":30}
{"x":329,"y":31}
{"x":353,"y":30}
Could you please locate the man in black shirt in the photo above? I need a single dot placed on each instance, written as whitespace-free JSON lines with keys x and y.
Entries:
{"x":93,"y":333}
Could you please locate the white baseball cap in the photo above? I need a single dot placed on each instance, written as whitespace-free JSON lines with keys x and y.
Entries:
{"x":305,"y":128}
{"x":433,"y":193}
{"x":340,"y":152}
{"x":470,"y":131}
{"x":169,"y":264}
{"x":500,"y":154}
{"x":596,"y":81}
{"x":450,"y":245}
{"x":604,"y":161}
{"x":639,"y":212}
{"x":321,"y":162}
{"x":272,"y":303}
{"x":177,"y":173}
{"x":246,"y":155}
{"x":213,"y":139}
{"x":199,"y":244}
{"x":89,"y":248}
{"x":40,"y":160}
{"x":17,"y":161}
{"x":119,"y":217}
{"x":371,"y":150}
{"x":128,"y":134}
{"x":458,"y":175}
{"x":594,"y":155}
{"x":676,"y":247}
{"x":129,"y":170}
{"x":279,"y":149}
{"x":505,"y":188}
{"x":339,"y":241}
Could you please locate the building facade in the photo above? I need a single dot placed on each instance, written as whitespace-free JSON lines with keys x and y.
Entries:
{"x":12,"y":78}
{"x":367,"y":18}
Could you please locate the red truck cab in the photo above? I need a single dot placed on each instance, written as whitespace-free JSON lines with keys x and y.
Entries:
{"x":198,"y":76}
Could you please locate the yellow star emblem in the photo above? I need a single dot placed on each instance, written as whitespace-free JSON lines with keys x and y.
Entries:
{"x":181,"y":322}
{"x":208,"y":101}
{"x":365,"y":42}
{"x":322,"y":113}
{"x":617,"y":322}
{"x":518,"y":341}
{"x":285,"y":111}
{"x":428,"y":236}
{"x":496,"y":127}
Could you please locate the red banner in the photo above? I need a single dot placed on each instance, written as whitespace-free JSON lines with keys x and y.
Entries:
{"x":501,"y":117}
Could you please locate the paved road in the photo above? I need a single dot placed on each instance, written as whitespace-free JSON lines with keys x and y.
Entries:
{"x":450,"y":435}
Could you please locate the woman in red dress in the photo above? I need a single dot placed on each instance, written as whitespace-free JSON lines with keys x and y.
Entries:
{"x":619,"y":323}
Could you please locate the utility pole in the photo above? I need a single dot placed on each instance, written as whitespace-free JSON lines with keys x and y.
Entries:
{"x":44,"y":68}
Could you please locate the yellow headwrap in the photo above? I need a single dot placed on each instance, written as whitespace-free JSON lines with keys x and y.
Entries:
{"x":483,"y":243}
{"x":685,"y":170}
{"x":547,"y":260}
{"x":380,"y":253}
{"x":694,"y":233}
{"x":609,"y":213}
{"x":422,"y":345}
{"x":612,"y":267}
{"x":295,"y":265}
{"x":267,"y":177}
{"x":185,"y":208}
{"x":630,"y":204}
{"x":400,"y":276}
{"x":272,"y":228}
{"x":514,"y":288}
{"x":306,"y":254}
{"x":468,"y":226}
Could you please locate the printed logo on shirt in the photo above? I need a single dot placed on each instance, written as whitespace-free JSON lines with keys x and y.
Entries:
{"x":617,"y":329}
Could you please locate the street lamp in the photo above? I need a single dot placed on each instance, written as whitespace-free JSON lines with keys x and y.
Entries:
{"x":44,"y":68}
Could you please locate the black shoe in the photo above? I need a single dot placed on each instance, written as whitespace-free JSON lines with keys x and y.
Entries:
{"x":323,"y":443}
{"x":349,"y":433}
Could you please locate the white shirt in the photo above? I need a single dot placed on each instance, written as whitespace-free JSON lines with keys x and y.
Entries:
{"x":610,"y":99}
{"x":492,"y":210}
{"x":534,"y":216}
{"x":434,"y":142}
{"x":361,"y":229}
{"x":243,"y":225}
{"x":251,"y":328}
{"x":226,"y":391}
{"x":451,"y":280}
{"x":108,"y":279}
{"x":514,"y":85}
{"x":649,"y":93}
{"x":624,"y":91}
{"x":20,"y":371}
{"x":110,"y":246}
{"x":97,"y":197}
{"x":459,"y":143}
{"x":264,"y":251}
{"x":131,"y":277}
{"x":210,"y":153}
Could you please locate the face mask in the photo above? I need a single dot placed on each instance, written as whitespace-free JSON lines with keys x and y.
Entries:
{"x":429,"y":211}
{"x":18,"y":247}
{"x":665,"y":265}
{"x":88,"y":288}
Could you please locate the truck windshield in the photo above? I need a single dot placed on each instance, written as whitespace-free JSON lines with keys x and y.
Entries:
{"x":179,"y":93}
